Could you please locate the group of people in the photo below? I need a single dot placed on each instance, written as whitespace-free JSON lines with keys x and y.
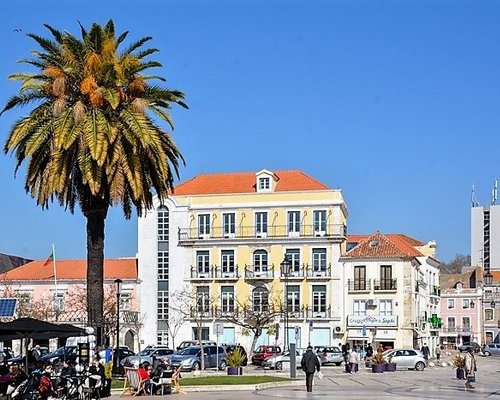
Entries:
{"x":151,"y":376}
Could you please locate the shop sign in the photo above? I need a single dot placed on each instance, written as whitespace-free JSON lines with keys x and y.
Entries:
{"x":372,"y":320}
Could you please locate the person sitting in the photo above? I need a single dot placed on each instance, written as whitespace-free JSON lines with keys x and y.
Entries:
{"x":5,"y":379}
{"x":144,"y":376}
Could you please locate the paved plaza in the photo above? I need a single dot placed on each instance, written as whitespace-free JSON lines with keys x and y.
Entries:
{"x":433,"y":383}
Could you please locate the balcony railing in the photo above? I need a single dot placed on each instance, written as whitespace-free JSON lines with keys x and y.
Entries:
{"x":201,"y":272}
{"x":318,"y":272}
{"x":359,"y":285}
{"x":271,"y":231}
{"x":456,"y":329}
{"x":259,"y":272}
{"x":225,"y":272}
{"x":435,"y":291}
{"x":385,"y":285}
{"x":322,"y":312}
{"x":296,"y":271}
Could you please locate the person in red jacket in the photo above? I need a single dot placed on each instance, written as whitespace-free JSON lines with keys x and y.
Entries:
{"x":144,"y":377}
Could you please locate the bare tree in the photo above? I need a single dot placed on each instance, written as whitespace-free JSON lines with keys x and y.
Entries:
{"x":175,"y":321}
{"x":254,"y":316}
{"x":190,"y":305}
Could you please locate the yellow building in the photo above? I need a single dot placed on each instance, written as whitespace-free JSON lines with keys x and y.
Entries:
{"x":224,"y":237}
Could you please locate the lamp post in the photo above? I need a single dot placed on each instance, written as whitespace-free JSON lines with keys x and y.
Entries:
{"x":116,"y":358}
{"x":285,"y":272}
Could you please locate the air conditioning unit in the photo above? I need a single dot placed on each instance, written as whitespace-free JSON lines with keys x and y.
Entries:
{"x":204,"y":236}
{"x":202,"y":275}
{"x":229,"y":235}
{"x":227,"y":275}
{"x":319,"y":233}
{"x":261,"y":234}
{"x":371,"y":302}
{"x":338,"y":329}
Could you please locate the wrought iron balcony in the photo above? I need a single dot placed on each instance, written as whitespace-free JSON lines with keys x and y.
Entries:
{"x":225,"y":272}
{"x":359,"y":285}
{"x":202,"y":272}
{"x":259,"y":271}
{"x":318,"y":272}
{"x":296,"y":271}
{"x":385,"y":285}
{"x":435,"y":291}
{"x":331,"y":231}
{"x":319,"y":312}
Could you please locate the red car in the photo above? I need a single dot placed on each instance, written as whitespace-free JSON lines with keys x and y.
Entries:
{"x":264,"y":352}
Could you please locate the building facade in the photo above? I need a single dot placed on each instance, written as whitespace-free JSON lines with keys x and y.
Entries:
{"x":391,"y":293}
{"x":485,"y":237}
{"x":55,"y":291}
{"x":223,"y":238}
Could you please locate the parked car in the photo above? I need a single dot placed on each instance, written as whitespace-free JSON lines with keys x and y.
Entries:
{"x":189,"y":343}
{"x":21,"y":360}
{"x":491,"y":349}
{"x":149,"y":354}
{"x":230,"y":348}
{"x":329,"y":355}
{"x":190,"y":358}
{"x":277,"y":361}
{"x":67,"y":353}
{"x":467,"y":345}
{"x":406,"y":358}
{"x":264,"y":352}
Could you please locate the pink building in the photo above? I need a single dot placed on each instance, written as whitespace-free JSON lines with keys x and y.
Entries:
{"x":461,"y":302}
{"x":56,"y":292}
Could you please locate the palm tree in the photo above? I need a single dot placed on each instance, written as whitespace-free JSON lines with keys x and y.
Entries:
{"x":92,"y":135}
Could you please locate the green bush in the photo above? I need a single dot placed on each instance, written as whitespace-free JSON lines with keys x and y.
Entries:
{"x":236,"y":358}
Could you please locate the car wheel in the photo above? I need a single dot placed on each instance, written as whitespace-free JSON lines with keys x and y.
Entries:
{"x":222,"y":365}
{"x":279,"y":365}
{"x":338,"y":364}
{"x":487,"y":353}
{"x":420,"y":366}
{"x":196,"y":366}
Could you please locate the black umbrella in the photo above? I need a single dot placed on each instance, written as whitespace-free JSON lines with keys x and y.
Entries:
{"x":31,"y":328}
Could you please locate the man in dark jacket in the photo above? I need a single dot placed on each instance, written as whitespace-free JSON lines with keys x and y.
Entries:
{"x":310,"y":364}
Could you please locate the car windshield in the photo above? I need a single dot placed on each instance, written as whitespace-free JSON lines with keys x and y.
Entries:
{"x":190,"y":351}
{"x":146,"y":352}
{"x":387,"y":352}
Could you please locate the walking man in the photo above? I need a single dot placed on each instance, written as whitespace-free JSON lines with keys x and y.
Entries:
{"x":310,"y":364}
{"x":425,"y":351}
{"x":470,"y":368}
{"x":438,"y":353}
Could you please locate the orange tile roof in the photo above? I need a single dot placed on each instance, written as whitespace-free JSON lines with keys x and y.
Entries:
{"x":389,"y":246}
{"x":124,"y":268}
{"x":496,"y":276}
{"x":244,"y":182}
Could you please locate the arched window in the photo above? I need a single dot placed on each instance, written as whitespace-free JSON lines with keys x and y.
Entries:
{"x":260,"y":299}
{"x":260,"y":260}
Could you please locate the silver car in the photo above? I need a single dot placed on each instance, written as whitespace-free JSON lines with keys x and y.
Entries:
{"x":329,"y":355}
{"x":406,"y":358}
{"x":491,"y":349}
{"x":149,"y":354}
{"x":190,"y":358}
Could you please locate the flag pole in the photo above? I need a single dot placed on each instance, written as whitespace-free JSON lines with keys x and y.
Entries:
{"x":55,"y":276}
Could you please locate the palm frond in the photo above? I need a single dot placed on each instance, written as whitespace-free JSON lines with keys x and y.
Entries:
{"x":137,"y":44}
{"x":57,"y":34}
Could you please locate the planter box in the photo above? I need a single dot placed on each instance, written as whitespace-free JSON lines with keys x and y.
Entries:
{"x":235,"y":370}
{"x":391,"y":367}
{"x":378,"y":368}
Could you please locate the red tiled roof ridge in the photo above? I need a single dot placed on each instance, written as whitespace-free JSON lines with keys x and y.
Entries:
{"x":389,"y":246}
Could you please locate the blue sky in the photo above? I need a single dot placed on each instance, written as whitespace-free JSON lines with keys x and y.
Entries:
{"x":395,"y":102}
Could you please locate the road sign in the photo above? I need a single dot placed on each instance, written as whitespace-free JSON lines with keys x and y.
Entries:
{"x":218,"y":328}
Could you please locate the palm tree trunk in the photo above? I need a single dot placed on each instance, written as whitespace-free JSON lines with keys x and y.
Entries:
{"x":96,"y":217}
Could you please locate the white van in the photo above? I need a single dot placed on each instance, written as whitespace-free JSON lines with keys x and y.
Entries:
{"x":74,"y":340}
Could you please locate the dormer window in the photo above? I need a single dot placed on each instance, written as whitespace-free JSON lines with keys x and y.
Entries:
{"x":264,"y":183}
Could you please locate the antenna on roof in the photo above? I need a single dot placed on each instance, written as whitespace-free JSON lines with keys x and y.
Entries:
{"x":473,"y":200}
{"x":494,"y":193}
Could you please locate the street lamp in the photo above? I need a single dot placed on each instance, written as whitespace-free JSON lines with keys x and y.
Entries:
{"x":116,"y":358}
{"x":286,"y":265}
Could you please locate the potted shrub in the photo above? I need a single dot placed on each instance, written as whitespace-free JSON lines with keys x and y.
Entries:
{"x":390,"y":366}
{"x":378,"y":363}
{"x":459,"y":363}
{"x":235,"y":360}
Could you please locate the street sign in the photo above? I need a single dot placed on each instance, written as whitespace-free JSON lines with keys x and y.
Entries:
{"x":218,"y":328}
{"x":364,"y":330}
{"x":297,"y":332}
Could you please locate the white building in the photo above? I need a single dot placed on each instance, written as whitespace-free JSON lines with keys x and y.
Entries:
{"x":485,"y":237}
{"x":391,"y":291}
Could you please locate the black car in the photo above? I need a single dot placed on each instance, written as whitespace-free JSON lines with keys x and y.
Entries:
{"x":231,"y":348}
{"x":467,"y":345}
{"x":68,"y":353}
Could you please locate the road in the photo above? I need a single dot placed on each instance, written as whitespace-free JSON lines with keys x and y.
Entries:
{"x":433,"y":383}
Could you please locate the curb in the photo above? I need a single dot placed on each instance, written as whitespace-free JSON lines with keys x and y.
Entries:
{"x":227,"y":388}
